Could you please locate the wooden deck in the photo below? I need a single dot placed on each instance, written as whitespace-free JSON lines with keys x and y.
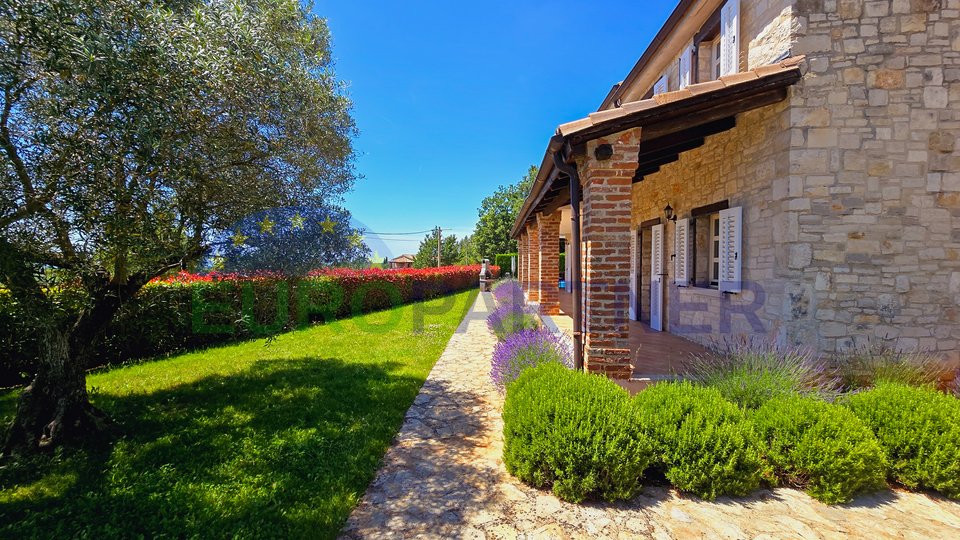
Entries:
{"x":656,"y":355}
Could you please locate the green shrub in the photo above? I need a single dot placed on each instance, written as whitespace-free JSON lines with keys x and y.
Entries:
{"x":819,"y":446}
{"x":703,"y":442}
{"x":750,"y":372}
{"x":503,"y":260}
{"x":572,"y":432}
{"x":919,"y":430}
{"x":875,"y":363}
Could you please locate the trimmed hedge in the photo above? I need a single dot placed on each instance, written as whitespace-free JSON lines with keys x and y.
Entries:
{"x":573,"y":432}
{"x":186,"y":311}
{"x":502,"y":260}
{"x":819,"y":446}
{"x":919,"y":429}
{"x":704,"y":443}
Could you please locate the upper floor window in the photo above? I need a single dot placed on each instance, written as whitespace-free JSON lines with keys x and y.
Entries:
{"x":730,"y":37}
{"x":661,"y":86}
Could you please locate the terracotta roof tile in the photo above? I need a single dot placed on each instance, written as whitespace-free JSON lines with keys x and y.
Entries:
{"x":743,"y":76}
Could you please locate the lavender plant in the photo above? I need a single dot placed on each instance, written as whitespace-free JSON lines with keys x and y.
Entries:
{"x":526,"y":349}
{"x":871,"y":364}
{"x":751,"y":371}
{"x":507,"y":319}
{"x":508,"y":292}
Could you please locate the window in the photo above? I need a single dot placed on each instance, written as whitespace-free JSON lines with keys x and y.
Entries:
{"x":661,"y":86}
{"x":714,"y":250}
{"x":715,"y":59}
{"x":685,"y":66}
{"x":708,"y":248}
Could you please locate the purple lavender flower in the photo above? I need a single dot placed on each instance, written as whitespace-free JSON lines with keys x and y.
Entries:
{"x":509,"y":318}
{"x":508,"y":292}
{"x":526,"y":349}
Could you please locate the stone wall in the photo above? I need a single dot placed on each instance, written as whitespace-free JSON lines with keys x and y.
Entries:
{"x":768,"y":31}
{"x":873,"y":197}
{"x":746,"y":166}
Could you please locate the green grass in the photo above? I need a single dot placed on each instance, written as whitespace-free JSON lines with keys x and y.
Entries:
{"x":252,"y":440}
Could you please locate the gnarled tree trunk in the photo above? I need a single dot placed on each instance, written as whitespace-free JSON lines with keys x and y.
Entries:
{"x":54,"y":409}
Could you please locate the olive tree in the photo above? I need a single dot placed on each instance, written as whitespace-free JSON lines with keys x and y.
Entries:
{"x":131,"y":133}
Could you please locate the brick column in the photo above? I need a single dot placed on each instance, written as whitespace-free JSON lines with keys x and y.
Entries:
{"x":549,"y":231}
{"x":533,"y":263}
{"x":607,"y":187}
{"x":521,"y":260}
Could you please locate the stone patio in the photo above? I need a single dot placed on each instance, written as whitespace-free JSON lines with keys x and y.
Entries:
{"x":443,"y":477}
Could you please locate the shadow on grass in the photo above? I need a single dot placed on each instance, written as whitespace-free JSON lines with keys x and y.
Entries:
{"x":283,"y":449}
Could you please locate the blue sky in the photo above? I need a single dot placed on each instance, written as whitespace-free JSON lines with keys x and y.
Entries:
{"x":453,"y":99}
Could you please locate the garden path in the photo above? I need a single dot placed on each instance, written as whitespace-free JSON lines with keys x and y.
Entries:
{"x":444,"y":477}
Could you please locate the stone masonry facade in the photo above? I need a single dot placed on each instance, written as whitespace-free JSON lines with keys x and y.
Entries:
{"x":745,"y":166}
{"x":873,"y":195}
{"x":850,"y":188}
{"x":850,"y":192}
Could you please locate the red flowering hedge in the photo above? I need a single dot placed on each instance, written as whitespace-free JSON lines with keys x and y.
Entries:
{"x":185,"y":311}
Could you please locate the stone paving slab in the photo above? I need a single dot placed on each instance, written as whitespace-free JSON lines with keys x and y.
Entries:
{"x":443,"y":477}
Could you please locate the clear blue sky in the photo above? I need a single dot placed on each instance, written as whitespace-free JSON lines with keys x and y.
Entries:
{"x":453,"y":99}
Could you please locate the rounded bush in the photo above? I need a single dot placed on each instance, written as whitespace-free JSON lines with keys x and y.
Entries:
{"x":526,"y":349}
{"x":509,"y":319}
{"x":919,"y":430}
{"x":573,"y":432}
{"x":819,"y":446}
{"x":703,"y":443}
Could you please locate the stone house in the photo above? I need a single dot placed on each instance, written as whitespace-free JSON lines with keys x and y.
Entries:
{"x":786,"y":168}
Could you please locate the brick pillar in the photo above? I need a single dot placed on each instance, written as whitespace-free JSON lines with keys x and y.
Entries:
{"x":521,"y":260}
{"x":549,"y":231}
{"x":533,"y":263}
{"x":607,"y":187}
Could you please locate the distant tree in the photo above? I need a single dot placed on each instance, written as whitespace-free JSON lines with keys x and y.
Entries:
{"x":426,"y":256}
{"x":131,"y":133}
{"x":468,"y":251}
{"x":292,"y":241}
{"x":497,"y":214}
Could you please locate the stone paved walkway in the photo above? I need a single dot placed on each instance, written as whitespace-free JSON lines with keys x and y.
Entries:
{"x":444,"y":478}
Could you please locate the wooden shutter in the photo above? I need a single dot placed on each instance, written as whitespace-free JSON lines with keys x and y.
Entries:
{"x":686,"y":65}
{"x":656,"y":278}
{"x":661,"y":86}
{"x":730,"y":37}
{"x":681,"y":261}
{"x":731,"y":235}
{"x":656,"y":252}
{"x":634,"y":316}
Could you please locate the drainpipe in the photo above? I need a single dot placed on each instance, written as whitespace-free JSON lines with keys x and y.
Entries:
{"x":560,"y":163}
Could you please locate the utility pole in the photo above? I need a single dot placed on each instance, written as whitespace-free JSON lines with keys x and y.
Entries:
{"x":439,"y":242}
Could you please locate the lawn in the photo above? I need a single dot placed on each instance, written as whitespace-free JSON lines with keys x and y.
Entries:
{"x":253,"y":440}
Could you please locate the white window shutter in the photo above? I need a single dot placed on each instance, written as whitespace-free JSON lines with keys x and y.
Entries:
{"x":634,"y":316}
{"x":681,"y":260}
{"x":661,"y":86}
{"x":656,"y":252}
{"x":686,"y":64}
{"x":730,"y":37}
{"x":731,"y":238}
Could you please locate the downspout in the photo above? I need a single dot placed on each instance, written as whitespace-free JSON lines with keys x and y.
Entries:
{"x":560,"y":163}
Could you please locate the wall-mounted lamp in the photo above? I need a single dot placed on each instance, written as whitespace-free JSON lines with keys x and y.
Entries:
{"x":668,"y":213}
